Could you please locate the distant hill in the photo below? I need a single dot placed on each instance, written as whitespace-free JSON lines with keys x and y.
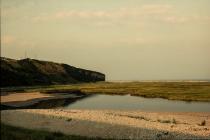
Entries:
{"x":27,"y":72}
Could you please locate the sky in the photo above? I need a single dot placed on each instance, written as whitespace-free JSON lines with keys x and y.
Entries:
{"x":125,"y":39}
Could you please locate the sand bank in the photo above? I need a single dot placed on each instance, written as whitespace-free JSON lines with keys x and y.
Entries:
{"x":30,"y":98}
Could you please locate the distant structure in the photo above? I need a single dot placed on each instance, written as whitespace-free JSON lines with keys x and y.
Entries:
{"x":25,"y":55}
{"x":35,"y":56}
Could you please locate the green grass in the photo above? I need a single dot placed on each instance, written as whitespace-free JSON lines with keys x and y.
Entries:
{"x":188,"y":91}
{"x":17,"y":133}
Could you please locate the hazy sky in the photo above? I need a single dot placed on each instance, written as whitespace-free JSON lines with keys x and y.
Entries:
{"x":125,"y":39}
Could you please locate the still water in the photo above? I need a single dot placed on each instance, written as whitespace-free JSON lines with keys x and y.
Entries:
{"x":128,"y":102}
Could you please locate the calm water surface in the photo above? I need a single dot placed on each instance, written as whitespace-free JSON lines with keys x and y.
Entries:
{"x":128,"y":102}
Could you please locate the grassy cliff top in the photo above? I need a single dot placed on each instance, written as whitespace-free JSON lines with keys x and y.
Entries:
{"x":30,"y":72}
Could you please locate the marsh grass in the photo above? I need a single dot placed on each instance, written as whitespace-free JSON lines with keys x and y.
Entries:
{"x":187,"y":91}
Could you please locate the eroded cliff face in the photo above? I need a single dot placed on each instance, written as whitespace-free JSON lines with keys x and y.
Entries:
{"x":27,"y":72}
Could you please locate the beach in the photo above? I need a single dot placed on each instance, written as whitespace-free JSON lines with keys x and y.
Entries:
{"x":112,"y":123}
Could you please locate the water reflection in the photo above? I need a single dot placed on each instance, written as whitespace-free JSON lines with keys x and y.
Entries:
{"x":127,"y":102}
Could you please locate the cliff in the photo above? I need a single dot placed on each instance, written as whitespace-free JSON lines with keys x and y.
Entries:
{"x":28,"y":72}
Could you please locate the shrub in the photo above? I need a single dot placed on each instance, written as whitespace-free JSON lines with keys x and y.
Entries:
{"x":203,"y":123}
{"x":68,"y":120}
{"x":174,"y":121}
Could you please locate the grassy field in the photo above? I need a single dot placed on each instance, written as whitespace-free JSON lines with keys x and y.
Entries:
{"x":187,"y":91}
{"x":16,"y":133}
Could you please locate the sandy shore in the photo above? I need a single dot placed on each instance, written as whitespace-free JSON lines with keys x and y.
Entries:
{"x":112,"y":123}
{"x":23,"y":96}
{"x":30,"y":98}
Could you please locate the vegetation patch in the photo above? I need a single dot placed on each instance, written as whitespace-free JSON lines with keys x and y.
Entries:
{"x":173,"y":121}
{"x":16,"y":133}
{"x":203,"y":123}
{"x":131,"y":116}
{"x":69,"y":119}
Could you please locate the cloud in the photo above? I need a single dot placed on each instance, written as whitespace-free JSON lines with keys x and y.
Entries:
{"x":7,"y":40}
{"x":42,"y":17}
{"x":124,"y":12}
{"x":174,"y":19}
{"x":117,"y":13}
{"x":157,"y":9}
{"x":134,"y":41}
{"x":163,"y":13}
